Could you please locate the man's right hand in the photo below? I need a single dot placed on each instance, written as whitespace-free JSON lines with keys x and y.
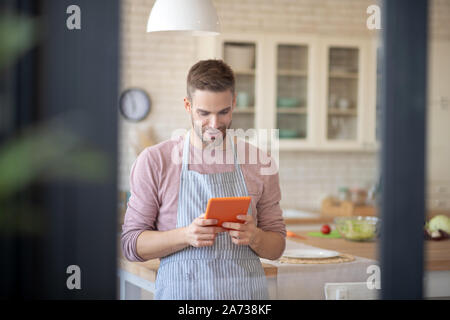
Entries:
{"x":202,"y":232}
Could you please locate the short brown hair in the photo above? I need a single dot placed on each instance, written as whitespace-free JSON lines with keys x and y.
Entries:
{"x":213,"y":75}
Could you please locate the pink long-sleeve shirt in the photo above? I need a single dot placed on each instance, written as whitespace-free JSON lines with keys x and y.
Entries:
{"x":155,"y":181}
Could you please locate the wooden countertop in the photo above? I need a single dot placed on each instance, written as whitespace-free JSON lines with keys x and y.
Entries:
{"x":322,"y":219}
{"x":437,"y":253}
{"x":303,"y":221}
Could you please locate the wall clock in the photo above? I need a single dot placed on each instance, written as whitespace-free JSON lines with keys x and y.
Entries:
{"x":134,"y":104}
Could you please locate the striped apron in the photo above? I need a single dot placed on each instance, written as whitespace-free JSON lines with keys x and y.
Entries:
{"x":223,"y":271}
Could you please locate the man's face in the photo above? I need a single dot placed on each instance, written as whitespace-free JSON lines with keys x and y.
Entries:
{"x":211,"y":114}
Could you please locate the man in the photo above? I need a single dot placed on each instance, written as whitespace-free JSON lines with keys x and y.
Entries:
{"x":164,"y":218}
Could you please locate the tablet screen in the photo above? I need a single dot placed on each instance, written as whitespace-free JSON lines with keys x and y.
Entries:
{"x":227,"y":209}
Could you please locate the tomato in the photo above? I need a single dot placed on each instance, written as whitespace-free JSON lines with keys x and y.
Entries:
{"x":325,"y":229}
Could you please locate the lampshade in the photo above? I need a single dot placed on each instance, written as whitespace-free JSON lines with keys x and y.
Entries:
{"x":193,"y":17}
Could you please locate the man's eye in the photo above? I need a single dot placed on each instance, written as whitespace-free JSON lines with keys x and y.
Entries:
{"x":204,"y":113}
{"x":224,"y":112}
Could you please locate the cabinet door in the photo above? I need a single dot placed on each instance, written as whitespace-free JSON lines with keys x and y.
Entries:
{"x":348,"y":105}
{"x":342,"y":97}
{"x":292,"y":91}
{"x":245,"y":55}
{"x":241,"y":56}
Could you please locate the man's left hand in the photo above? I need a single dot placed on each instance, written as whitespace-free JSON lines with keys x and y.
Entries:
{"x":245,"y":233}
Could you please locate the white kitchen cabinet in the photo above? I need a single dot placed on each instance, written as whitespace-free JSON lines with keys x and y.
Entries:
{"x":347,"y":105}
{"x":245,"y":54}
{"x":319,"y":92}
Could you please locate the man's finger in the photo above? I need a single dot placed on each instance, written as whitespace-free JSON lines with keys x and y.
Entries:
{"x":206,"y":236}
{"x":203,"y":243}
{"x":232,"y":225}
{"x":235,"y":234}
{"x":204,"y":230}
{"x":219,"y":229}
{"x":239,"y":241}
{"x":206,"y":222}
{"x":244,"y":217}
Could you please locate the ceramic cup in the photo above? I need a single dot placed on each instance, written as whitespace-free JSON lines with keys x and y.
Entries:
{"x":344,"y":104}
{"x":242,"y":99}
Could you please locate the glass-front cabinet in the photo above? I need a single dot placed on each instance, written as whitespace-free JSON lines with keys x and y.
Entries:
{"x":318,"y":92}
{"x":292,"y":91}
{"x":241,"y":56}
{"x":342,"y":111}
{"x":349,"y":82}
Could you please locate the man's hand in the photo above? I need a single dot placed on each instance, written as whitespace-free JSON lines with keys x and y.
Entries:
{"x":202,"y":232}
{"x":243,"y":233}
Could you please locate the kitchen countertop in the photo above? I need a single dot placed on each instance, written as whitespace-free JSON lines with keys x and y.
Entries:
{"x":303,"y":221}
{"x":437,"y":255}
{"x":437,"y":252}
{"x":324,"y":219}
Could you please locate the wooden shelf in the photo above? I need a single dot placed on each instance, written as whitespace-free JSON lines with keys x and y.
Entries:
{"x":244,"y":109}
{"x":297,"y":110}
{"x":343,"y":75}
{"x":246,"y":72}
{"x":340,"y":112}
{"x":288,"y":72}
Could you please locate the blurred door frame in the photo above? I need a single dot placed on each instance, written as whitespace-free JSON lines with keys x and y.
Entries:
{"x":72,"y":75}
{"x":403,"y":102}
{"x":82,"y":76}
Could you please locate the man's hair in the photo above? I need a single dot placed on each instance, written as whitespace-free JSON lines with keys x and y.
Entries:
{"x":213,"y":75}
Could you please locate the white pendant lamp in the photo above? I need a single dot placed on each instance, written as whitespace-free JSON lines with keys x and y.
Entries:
{"x":191,"y":17}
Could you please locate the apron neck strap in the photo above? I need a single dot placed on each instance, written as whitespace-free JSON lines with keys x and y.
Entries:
{"x":187,"y":147}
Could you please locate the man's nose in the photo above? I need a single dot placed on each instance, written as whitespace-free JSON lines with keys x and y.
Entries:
{"x":213,"y":122}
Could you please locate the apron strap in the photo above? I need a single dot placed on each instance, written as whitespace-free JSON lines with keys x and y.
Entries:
{"x":186,"y":151}
{"x":187,"y":147}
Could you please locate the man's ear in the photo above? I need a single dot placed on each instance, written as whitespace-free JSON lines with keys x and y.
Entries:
{"x":187,"y":105}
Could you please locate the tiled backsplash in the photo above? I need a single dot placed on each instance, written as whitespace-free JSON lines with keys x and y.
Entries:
{"x":159,"y":64}
{"x":306,"y":177}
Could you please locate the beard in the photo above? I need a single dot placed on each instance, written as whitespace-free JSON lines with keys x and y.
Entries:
{"x":202,"y":133}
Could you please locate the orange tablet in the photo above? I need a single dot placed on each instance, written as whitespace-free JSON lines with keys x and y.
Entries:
{"x":227,"y":209}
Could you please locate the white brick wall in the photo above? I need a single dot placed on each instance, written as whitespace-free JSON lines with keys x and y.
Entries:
{"x":159,"y":64}
{"x":307,"y":176}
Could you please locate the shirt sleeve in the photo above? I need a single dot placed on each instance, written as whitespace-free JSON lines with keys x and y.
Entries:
{"x":270,"y":215}
{"x":143,"y":205}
